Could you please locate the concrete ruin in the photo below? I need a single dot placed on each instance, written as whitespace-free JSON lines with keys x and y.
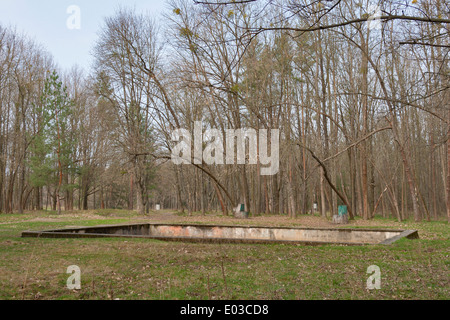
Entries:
{"x":232,"y":234}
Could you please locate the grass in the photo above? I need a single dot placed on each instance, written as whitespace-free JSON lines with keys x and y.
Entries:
{"x":146,"y":269}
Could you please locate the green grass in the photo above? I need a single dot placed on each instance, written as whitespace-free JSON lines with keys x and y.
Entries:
{"x":33,"y":268}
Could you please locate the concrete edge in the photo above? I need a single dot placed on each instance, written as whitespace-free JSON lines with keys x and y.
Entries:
{"x":68,"y":235}
{"x":409,"y":234}
{"x":222,"y":226}
{"x":345,"y":229}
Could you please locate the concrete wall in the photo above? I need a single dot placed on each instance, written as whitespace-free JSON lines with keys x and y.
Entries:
{"x":275,"y":234}
{"x":208,"y":233}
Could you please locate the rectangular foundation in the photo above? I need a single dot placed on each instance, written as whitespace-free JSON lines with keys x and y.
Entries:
{"x":232,"y":234}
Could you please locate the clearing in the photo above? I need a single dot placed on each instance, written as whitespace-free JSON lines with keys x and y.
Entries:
{"x":149,"y":269}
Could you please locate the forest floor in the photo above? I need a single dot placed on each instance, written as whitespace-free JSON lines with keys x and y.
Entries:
{"x":128,"y":269}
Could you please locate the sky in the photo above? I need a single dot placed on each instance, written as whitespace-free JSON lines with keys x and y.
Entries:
{"x":68,"y":29}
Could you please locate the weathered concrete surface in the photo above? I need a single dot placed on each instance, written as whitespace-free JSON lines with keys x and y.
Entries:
{"x":239,"y":234}
{"x":340,"y":219}
{"x":276,"y":234}
{"x":409,"y":234}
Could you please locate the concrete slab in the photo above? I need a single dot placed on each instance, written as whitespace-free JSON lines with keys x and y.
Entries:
{"x":233,"y":234}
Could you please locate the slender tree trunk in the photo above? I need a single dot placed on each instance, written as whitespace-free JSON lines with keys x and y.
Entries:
{"x":365,"y":121}
{"x":178,"y":174}
{"x":266,"y":196}
{"x":432,"y":193}
{"x":275,"y":195}
{"x":202,"y":193}
{"x":131,"y":194}
{"x":102,"y":200}
{"x":221,"y":201}
{"x":140,"y":202}
{"x":246,"y":191}
{"x":85,"y":194}
{"x":291,"y":192}
{"x":351,"y":156}
{"x":323,"y":207}
{"x":54,"y":201}
{"x":60,"y":173}
{"x":448,"y":167}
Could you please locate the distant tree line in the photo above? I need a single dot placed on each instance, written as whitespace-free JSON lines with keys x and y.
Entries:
{"x":358,"y":89}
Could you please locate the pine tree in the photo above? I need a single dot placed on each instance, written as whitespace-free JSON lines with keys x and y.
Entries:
{"x":52,"y":147}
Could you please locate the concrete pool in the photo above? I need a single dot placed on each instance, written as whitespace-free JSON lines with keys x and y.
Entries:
{"x":232,"y":234}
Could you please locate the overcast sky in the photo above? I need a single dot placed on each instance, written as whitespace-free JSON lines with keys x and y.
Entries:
{"x":45,"y":21}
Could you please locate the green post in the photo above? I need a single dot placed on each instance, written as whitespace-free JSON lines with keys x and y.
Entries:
{"x":342,"y":210}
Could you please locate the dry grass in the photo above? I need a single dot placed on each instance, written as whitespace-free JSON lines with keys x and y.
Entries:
{"x":143,"y":269}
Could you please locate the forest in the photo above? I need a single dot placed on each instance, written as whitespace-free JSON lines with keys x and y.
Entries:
{"x":358,"y":89}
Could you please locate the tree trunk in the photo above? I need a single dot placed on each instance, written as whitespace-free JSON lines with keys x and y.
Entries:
{"x":275,"y":195}
{"x":130,"y":194}
{"x":365,"y":121}
{"x":448,"y":167}
{"x":140,"y":200}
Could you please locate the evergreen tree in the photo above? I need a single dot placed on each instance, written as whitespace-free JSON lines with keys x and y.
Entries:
{"x":53,"y":146}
